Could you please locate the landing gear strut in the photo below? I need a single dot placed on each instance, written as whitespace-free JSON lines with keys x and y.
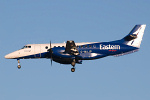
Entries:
{"x":73,"y":64}
{"x":19,"y":66}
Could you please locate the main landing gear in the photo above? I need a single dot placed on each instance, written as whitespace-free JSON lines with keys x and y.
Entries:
{"x":73,"y":64}
{"x":19,"y":66}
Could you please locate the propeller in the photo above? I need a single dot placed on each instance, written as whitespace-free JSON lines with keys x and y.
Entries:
{"x":50,"y":50}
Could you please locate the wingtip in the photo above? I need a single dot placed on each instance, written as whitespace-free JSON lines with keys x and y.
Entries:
{"x":141,"y":24}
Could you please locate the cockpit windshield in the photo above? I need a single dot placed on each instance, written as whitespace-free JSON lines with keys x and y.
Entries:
{"x":26,"y":47}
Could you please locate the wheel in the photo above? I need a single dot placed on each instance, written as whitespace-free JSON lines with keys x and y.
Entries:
{"x":72,"y":69}
{"x":19,"y":66}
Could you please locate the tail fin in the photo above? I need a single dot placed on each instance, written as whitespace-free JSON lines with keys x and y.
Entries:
{"x":134,"y":38}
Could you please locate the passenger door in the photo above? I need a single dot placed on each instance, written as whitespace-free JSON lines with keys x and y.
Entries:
{"x":37,"y":51}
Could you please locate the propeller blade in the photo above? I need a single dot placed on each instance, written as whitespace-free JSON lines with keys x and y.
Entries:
{"x":51,"y":53}
{"x":50,"y":45}
{"x":51,"y":62}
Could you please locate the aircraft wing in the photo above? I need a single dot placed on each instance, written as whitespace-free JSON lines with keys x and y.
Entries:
{"x":71,"y":48}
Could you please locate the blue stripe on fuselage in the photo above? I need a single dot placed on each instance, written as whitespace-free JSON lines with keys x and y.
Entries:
{"x":101,"y":49}
{"x":105,"y":47}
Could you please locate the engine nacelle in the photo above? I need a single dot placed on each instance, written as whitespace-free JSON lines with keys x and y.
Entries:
{"x":60,"y":52}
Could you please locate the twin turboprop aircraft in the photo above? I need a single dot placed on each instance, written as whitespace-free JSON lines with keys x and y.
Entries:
{"x":74,"y":53}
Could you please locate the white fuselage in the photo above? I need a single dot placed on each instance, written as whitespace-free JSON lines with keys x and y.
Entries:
{"x":33,"y":49}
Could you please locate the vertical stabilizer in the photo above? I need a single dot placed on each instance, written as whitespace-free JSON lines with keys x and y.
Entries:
{"x":134,"y":38}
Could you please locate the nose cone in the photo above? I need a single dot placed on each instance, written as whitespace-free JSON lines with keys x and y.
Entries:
{"x":7,"y":56}
{"x":11,"y":55}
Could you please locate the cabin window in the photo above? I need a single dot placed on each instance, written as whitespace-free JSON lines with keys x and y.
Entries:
{"x":85,"y":46}
{"x":81,"y":46}
{"x":63,"y":46}
{"x":90,"y":46}
{"x":46,"y":47}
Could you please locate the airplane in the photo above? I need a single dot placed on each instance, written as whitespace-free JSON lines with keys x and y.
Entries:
{"x":74,"y":53}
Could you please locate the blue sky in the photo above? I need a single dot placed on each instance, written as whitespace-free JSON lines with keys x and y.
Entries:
{"x":39,"y":21}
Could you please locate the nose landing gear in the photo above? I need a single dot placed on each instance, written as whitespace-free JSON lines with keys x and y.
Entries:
{"x":19,"y":66}
{"x":73,"y":64}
